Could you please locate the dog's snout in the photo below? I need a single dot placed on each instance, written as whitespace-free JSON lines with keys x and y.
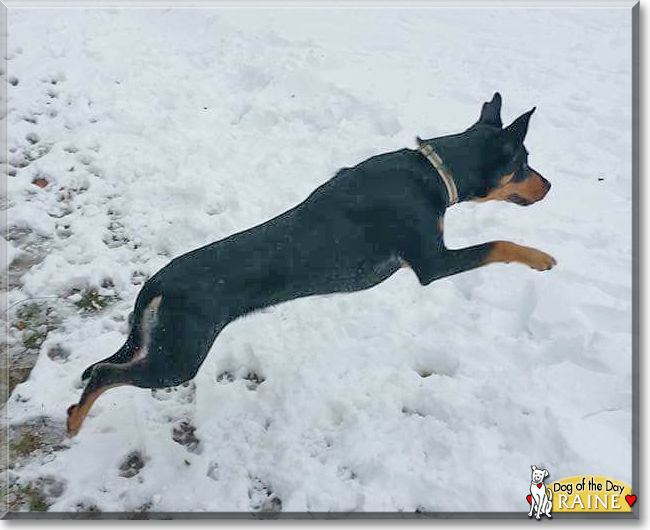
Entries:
{"x":547,"y":185}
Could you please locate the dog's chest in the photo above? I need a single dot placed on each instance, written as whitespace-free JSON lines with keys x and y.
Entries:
{"x":367,"y":274}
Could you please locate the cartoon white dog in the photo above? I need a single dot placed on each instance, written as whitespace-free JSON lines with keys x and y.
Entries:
{"x":538,"y":494}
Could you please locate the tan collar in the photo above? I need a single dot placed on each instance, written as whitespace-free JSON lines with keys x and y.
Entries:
{"x":439,"y":166}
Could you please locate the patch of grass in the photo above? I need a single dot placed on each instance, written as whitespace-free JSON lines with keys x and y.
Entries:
{"x":35,"y":321}
{"x":28,"y":496}
{"x":17,"y":375}
{"x":33,"y":341}
{"x":34,"y":438}
{"x":92,"y":301}
{"x":27,"y":314}
{"x":37,"y":502}
{"x":26,"y":444}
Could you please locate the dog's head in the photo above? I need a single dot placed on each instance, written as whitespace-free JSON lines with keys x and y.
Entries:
{"x":538,"y":475}
{"x":490,"y":162}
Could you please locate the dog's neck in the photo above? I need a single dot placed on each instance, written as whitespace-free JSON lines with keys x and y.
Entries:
{"x":443,"y":172}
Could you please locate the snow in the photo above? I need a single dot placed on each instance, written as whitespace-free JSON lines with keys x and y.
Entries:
{"x":159,"y":131}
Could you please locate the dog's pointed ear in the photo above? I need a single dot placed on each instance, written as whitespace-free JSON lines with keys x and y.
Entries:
{"x":533,"y":467}
{"x":513,"y":135}
{"x":491,"y":112}
{"x":516,"y":131}
{"x":546,"y":473}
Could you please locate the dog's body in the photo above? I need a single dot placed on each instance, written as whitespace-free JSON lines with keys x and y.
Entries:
{"x":350,"y":234}
{"x":538,"y":493}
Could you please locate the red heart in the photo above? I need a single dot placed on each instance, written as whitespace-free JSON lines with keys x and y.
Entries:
{"x":539,"y":485}
{"x":631,"y":499}
{"x":529,"y":498}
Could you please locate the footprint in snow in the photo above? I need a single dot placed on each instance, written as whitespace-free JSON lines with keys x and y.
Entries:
{"x":252,"y":379}
{"x":213,"y":471}
{"x":263,"y":498}
{"x":85,"y":159}
{"x":183,"y":433}
{"x":58,"y":353}
{"x":132,"y":464}
{"x":184,"y":393}
{"x":54,"y":79}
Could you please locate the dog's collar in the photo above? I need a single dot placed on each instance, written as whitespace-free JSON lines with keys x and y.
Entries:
{"x":439,"y":166}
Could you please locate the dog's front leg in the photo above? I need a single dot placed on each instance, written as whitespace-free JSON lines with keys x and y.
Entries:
{"x":506,"y":252}
{"x":532,"y":506}
{"x":437,"y":262}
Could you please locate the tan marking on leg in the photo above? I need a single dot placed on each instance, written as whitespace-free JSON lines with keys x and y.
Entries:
{"x":441,"y":224}
{"x":506,"y":252}
{"x":147,"y":324}
{"x":155,"y":303}
{"x":77,"y":413}
{"x":404,"y":265}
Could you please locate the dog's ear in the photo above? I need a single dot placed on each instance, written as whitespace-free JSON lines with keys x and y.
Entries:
{"x":533,"y":467}
{"x":491,"y":112}
{"x":516,"y":131}
{"x":512,"y":137}
{"x":545,"y":473}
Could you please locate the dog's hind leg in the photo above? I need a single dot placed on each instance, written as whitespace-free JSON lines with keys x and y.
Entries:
{"x":184,"y":332}
{"x":139,"y":337}
{"x":173,"y":348}
{"x":549,"y":505}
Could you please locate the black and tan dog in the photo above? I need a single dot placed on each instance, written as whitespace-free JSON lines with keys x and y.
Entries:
{"x":350,"y":234}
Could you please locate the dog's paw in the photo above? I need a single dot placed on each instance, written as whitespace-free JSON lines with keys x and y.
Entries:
{"x":538,"y":260}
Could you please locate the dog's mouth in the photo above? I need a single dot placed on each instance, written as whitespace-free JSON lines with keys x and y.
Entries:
{"x":518,"y":199}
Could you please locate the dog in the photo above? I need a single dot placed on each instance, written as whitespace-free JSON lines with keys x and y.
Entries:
{"x":538,"y":494}
{"x":351,"y":233}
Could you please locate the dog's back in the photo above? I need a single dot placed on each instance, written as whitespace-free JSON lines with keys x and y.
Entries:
{"x":346,"y":236}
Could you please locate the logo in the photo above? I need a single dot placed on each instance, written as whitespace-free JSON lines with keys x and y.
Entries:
{"x":540,"y":495}
{"x":579,"y":494}
{"x":590,"y":493}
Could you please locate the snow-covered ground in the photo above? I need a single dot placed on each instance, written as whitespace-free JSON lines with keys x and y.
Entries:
{"x":157,"y":131}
